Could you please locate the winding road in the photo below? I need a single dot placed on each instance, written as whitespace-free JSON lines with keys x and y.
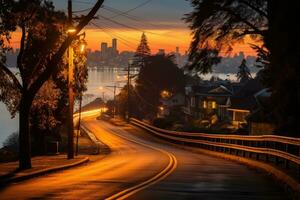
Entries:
{"x":143,"y":167}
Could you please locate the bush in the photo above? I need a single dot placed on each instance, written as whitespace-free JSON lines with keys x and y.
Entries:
{"x":10,"y":149}
{"x":162,"y":123}
{"x":12,"y":142}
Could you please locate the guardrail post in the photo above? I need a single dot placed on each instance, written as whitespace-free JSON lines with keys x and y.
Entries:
{"x":257,"y":156}
{"x":236,"y":152}
{"x":276,"y":160}
{"x":286,"y":161}
{"x":244,"y":153}
{"x":267,"y":157}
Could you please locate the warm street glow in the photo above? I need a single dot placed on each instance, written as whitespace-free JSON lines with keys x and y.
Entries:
{"x":165,"y":94}
{"x":82,"y":48}
{"x":71,"y":30}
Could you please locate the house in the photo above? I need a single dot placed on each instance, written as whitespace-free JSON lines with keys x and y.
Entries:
{"x":222,"y":103}
{"x":261,"y":120}
{"x":170,"y":103}
{"x":243,"y":102}
{"x":207,"y":102}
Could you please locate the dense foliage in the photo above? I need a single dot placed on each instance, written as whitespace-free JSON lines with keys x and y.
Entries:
{"x":275,"y":33}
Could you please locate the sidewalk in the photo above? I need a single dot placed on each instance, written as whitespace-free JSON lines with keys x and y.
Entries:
{"x":117,"y":121}
{"x":40,"y":165}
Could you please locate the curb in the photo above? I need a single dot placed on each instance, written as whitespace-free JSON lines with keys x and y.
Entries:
{"x":42,"y":172}
{"x":101,"y":147}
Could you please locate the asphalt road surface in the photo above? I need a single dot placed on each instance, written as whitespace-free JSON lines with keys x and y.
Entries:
{"x":143,"y":167}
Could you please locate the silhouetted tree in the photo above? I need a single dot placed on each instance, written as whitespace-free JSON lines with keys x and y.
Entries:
{"x":142,"y":51}
{"x":122,"y":102}
{"x":43,"y":43}
{"x":159,"y":73}
{"x":42,"y":115}
{"x":243,"y":74}
{"x":219,"y":24}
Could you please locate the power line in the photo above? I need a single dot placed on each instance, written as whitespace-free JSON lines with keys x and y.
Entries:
{"x":130,"y":27}
{"x":112,"y":35}
{"x":132,"y":9}
{"x":84,"y":10}
{"x":131,"y":17}
{"x":108,"y":26}
{"x":116,"y":35}
{"x":83,"y":2}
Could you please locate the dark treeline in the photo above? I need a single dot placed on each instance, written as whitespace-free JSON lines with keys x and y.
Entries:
{"x":273,"y":26}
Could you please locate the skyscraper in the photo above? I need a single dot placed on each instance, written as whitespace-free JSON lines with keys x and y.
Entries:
{"x":103,"y":47}
{"x":114,"y":45}
{"x":161,"y":52}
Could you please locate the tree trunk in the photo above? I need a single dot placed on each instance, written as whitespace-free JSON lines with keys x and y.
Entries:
{"x":283,"y":43}
{"x":24,"y":134}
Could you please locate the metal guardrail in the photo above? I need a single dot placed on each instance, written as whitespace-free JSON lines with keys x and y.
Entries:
{"x":280,"y":150}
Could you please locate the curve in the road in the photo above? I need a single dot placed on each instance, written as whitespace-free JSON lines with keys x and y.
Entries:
{"x":155,"y":179}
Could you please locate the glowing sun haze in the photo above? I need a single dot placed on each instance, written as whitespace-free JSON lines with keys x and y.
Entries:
{"x":161,"y":20}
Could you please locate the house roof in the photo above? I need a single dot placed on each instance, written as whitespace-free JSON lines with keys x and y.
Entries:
{"x":260,"y":116}
{"x":220,"y":90}
{"x":211,"y":90}
{"x":244,"y":98}
{"x":250,"y":88}
{"x":242,"y":103}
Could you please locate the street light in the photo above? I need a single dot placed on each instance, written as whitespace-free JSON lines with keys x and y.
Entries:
{"x":71,"y":30}
{"x":165,"y":94}
{"x":130,"y":62}
{"x":71,"y":99}
{"x":82,"y":47}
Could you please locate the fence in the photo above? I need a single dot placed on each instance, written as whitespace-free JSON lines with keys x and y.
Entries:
{"x":281,"y":151}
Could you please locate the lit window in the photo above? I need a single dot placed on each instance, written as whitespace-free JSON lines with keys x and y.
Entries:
{"x":204,"y":104}
{"x":214,"y":105}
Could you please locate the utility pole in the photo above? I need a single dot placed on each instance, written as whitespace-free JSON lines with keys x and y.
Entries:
{"x":114,"y":99}
{"x":114,"y":113}
{"x":128,"y":93}
{"x":79,"y":121}
{"x":70,"y":91}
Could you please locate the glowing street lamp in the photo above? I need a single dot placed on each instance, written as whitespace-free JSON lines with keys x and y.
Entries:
{"x":71,"y":30}
{"x":82,"y":48}
{"x":165,"y":94}
{"x":161,"y":108}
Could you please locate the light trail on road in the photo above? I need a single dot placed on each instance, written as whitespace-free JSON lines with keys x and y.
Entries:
{"x":142,"y":167}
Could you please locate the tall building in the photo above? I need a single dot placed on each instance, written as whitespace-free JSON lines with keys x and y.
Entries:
{"x":161,"y":52}
{"x":103,"y":47}
{"x":177,"y":50}
{"x":114,"y":45}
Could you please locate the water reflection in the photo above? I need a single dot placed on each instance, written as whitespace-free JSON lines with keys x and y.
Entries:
{"x":100,"y":78}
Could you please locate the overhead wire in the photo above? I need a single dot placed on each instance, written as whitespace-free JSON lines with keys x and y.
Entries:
{"x":113,"y":35}
{"x":132,"y":9}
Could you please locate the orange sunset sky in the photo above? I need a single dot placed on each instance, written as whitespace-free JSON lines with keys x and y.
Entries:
{"x":161,"y":20}
{"x":128,"y":40}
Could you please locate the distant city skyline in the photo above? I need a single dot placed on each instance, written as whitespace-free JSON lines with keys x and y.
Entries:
{"x":160,"y":20}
